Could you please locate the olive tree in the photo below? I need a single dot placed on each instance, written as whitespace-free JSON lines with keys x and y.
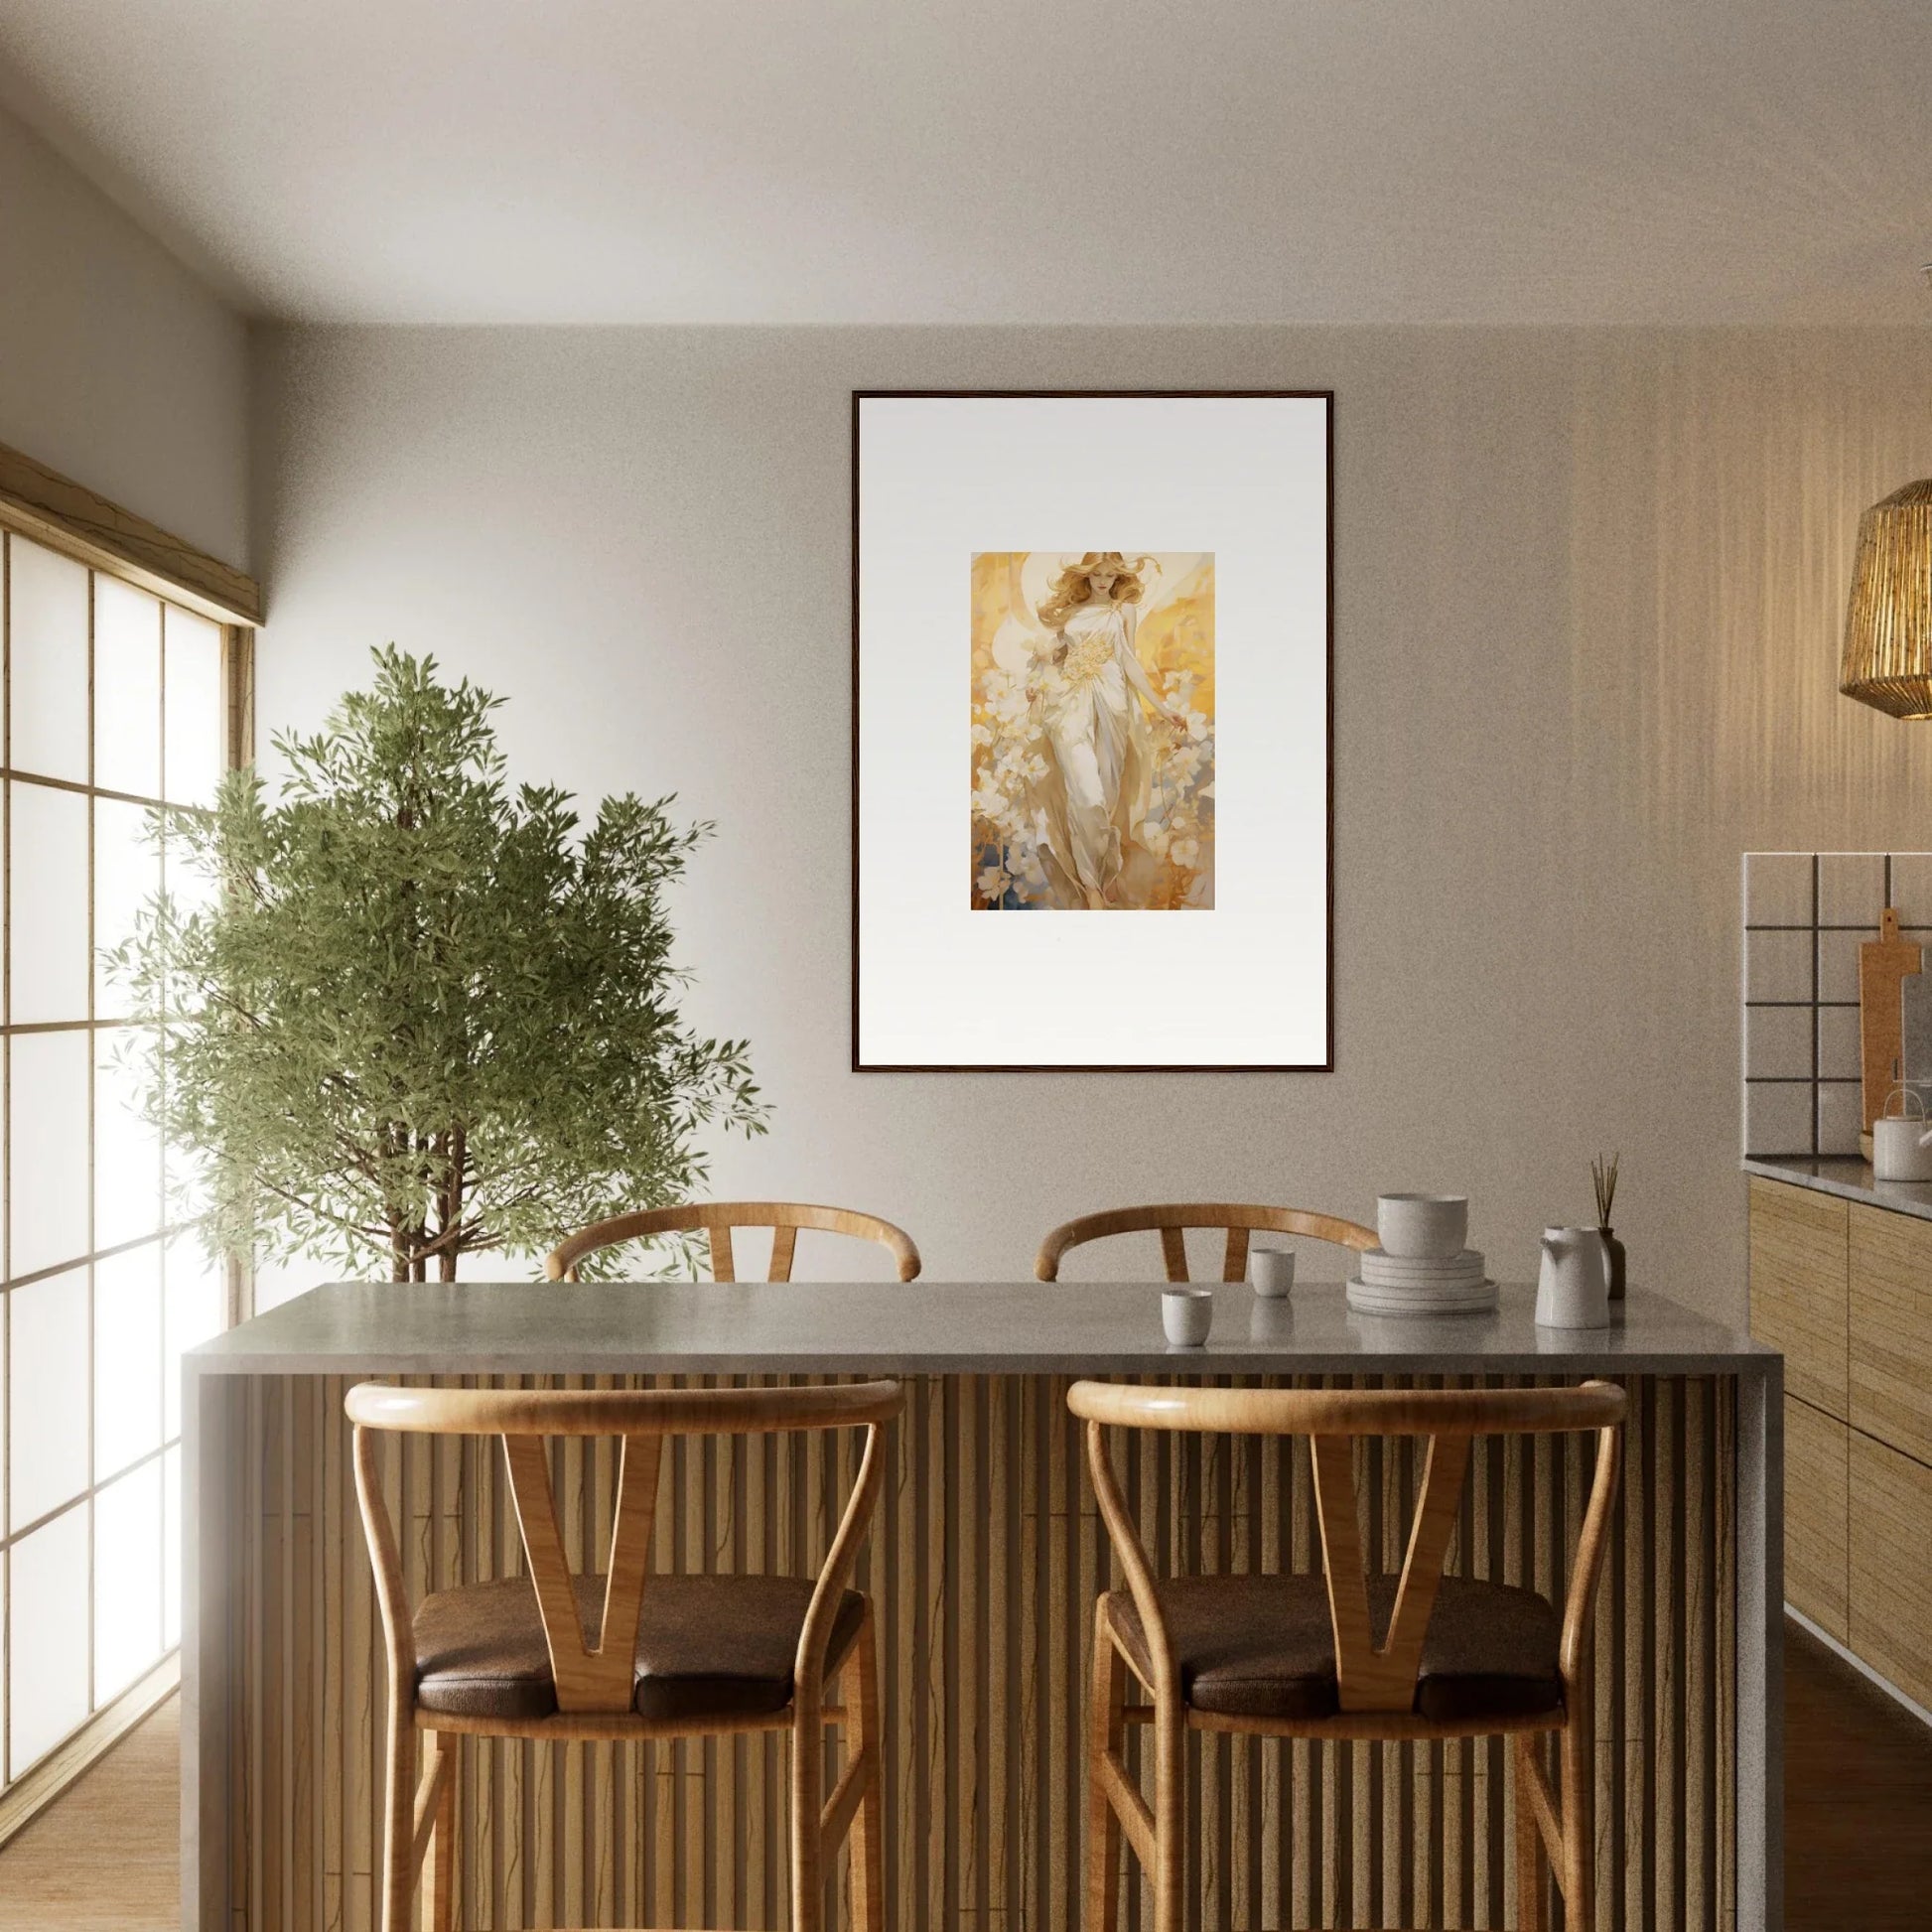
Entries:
{"x":412,"y":1013}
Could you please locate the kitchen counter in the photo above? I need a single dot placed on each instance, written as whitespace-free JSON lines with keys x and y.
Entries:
{"x":931,"y":1328}
{"x":1848,"y":1178}
{"x":985,"y":1557}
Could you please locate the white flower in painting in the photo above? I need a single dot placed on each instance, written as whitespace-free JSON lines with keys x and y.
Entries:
{"x":1010,"y":706}
{"x":1185,"y":853}
{"x":993,"y":883}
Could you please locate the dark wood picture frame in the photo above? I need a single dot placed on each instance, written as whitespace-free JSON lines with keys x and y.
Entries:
{"x":1325,"y":396}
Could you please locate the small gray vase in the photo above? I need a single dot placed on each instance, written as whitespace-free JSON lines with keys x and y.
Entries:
{"x":1616,"y":1248}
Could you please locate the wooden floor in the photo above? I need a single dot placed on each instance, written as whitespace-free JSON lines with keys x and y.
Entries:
{"x":107,"y":1856}
{"x":1857,"y":1797}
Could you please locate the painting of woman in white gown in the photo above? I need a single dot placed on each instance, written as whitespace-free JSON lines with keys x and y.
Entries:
{"x":1093,"y":730}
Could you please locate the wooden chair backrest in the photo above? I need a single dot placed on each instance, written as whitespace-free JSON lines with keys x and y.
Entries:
{"x":1372,"y":1674}
{"x":1173,"y":1218}
{"x":717,"y":1218}
{"x":595,"y":1675}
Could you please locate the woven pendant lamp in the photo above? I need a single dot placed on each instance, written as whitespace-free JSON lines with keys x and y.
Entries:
{"x":1887,"y":659}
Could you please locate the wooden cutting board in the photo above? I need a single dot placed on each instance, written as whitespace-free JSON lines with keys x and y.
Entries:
{"x":1883,"y":965}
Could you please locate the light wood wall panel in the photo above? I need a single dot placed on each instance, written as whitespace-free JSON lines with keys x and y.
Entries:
{"x":1799,"y":1262}
{"x":986,"y":1556}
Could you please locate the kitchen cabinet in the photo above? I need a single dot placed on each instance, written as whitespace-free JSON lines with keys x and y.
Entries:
{"x":1891,"y":1565}
{"x":1890,"y":1306}
{"x":1799,"y":1288}
{"x":1840,"y":1281}
{"x":1817,"y":1515}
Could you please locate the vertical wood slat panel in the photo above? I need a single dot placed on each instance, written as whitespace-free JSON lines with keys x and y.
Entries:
{"x":986,"y":1556}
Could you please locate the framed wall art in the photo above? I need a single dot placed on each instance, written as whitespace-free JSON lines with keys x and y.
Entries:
{"x":1092,"y":653}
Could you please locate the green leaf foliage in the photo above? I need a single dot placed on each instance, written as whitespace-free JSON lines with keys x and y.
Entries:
{"x":424,"y":1015}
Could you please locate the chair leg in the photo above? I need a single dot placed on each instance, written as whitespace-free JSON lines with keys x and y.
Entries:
{"x":1170,"y":1804}
{"x":1529,"y":1839}
{"x":439,"y":1906}
{"x":807,"y":1803}
{"x":1577,"y":1750}
{"x":1106,"y":1734}
{"x":399,"y":1821}
{"x":869,"y":1827}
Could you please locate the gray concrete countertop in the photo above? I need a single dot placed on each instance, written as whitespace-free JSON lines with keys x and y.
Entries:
{"x":1850,"y":1178}
{"x":932,"y":1328}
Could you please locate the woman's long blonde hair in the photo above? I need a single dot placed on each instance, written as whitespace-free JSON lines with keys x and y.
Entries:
{"x":1073,"y":586}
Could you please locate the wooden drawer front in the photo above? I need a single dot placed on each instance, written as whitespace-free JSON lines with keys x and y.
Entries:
{"x":1816,"y":1522}
{"x":1891,"y":1565}
{"x":1891,"y":1329}
{"x":1798,"y":1288}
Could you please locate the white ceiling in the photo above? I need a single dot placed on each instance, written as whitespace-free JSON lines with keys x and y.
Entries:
{"x":1008,"y":161}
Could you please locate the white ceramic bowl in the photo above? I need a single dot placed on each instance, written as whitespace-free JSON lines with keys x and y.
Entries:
{"x":1415,"y":1225}
{"x":1188,"y":1314}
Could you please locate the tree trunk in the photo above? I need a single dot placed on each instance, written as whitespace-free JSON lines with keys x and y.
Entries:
{"x":454,"y":1147}
{"x":401,"y":1259}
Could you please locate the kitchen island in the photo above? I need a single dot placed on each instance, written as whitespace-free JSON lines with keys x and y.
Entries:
{"x":985,"y":1555}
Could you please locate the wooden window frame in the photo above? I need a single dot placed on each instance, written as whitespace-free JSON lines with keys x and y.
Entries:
{"x":53,"y":510}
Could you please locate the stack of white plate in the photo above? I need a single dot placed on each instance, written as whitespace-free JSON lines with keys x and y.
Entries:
{"x":1421,"y":1284}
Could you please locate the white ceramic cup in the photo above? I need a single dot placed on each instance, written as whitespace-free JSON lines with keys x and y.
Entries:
{"x":1423,"y":1225}
{"x":1272,"y":1270}
{"x":1186,"y":1313}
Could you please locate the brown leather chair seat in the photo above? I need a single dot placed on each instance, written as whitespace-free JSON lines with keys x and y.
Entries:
{"x":1253,"y":1646}
{"x":708,"y":1647}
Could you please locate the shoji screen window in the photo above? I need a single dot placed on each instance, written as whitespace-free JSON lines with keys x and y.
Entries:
{"x":116,"y":700}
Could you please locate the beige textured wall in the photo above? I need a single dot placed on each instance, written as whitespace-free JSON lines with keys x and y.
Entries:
{"x":117,"y":366}
{"x":1588,"y":590}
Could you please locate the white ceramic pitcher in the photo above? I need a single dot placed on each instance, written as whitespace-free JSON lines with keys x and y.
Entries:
{"x":1572,"y":1291}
